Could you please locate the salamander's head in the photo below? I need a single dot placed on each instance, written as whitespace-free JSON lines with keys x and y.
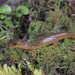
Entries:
{"x":18,"y":43}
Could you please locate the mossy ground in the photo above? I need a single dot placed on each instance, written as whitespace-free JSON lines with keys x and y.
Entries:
{"x":48,"y":60}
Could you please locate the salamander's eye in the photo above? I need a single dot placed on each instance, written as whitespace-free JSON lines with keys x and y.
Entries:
{"x":14,"y":43}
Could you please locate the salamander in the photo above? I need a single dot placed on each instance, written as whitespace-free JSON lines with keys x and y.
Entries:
{"x":49,"y":39}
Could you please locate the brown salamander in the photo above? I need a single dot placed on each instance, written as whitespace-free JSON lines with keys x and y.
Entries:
{"x":41,"y":41}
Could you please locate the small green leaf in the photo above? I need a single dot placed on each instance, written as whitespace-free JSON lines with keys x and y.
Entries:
{"x":5,"y":9}
{"x":18,"y":14}
{"x":8,"y":22}
{"x":2,"y":16}
{"x":38,"y":72}
{"x":24,"y":9}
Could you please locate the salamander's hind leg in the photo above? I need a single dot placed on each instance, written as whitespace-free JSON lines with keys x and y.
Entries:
{"x":54,"y":44}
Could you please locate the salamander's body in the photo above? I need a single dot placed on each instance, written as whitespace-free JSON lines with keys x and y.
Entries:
{"x":41,"y":41}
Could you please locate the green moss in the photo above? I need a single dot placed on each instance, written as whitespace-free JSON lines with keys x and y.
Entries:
{"x":56,"y":21}
{"x":59,"y":58}
{"x":6,"y":70}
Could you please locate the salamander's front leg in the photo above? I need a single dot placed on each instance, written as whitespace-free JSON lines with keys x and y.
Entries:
{"x":34,"y":52}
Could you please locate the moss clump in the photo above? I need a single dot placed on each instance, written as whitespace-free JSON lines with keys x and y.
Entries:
{"x":56,"y":21}
{"x":57,"y":60}
{"x":6,"y":70}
